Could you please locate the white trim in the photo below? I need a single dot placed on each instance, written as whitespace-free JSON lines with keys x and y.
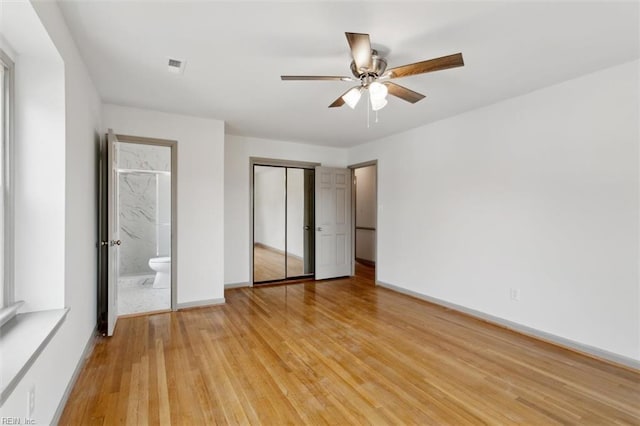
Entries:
{"x":587,"y":350}
{"x":8,"y":114}
{"x":201,"y":303}
{"x":21,"y":342}
{"x":236,"y":285}
{"x":86,"y":353}
{"x":6,"y":314}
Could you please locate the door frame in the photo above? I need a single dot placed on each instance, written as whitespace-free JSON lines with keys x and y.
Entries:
{"x":353,"y":168}
{"x":260,"y":161}
{"x":173,"y":145}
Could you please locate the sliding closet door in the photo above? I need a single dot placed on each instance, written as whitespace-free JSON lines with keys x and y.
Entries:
{"x":283,"y":223}
{"x":300,"y":235}
{"x":269,"y":223}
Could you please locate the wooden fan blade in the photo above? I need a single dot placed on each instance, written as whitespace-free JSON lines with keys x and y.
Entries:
{"x":403,"y":93}
{"x":337,"y":103}
{"x":360,"y":50}
{"x":315,"y":77}
{"x":430,"y":65}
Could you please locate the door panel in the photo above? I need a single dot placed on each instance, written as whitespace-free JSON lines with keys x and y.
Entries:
{"x":295,"y":222}
{"x":333,"y":222}
{"x":112,"y":233}
{"x":269,"y":223}
{"x":103,"y":238}
{"x":341,"y":215}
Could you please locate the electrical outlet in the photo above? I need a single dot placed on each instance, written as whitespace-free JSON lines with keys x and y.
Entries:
{"x":31,"y":397}
{"x":514,"y":293}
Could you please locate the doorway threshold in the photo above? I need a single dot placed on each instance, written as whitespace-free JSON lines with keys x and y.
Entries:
{"x":144,"y":314}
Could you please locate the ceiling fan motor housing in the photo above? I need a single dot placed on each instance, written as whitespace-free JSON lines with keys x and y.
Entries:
{"x":378,"y":66}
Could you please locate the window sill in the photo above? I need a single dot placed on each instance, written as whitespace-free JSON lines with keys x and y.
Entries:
{"x":22,"y":339}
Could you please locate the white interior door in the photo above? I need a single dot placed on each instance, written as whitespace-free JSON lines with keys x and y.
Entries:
{"x":112,"y":233}
{"x":333,"y":222}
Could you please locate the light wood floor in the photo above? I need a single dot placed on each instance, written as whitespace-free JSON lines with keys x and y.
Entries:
{"x":339,"y":352}
{"x":269,"y":265}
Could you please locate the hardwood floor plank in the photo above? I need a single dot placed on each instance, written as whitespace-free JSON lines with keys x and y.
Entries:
{"x":340,"y":352}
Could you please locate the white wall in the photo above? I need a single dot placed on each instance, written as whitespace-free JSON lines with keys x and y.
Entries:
{"x":74,"y":249}
{"x":366,"y":209}
{"x":39,"y":157}
{"x":200,"y":193}
{"x":238,"y":150}
{"x":537,"y":193}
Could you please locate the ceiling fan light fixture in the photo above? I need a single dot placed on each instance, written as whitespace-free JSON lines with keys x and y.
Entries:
{"x":378,"y":104}
{"x":352,"y":97}
{"x":378,"y":91}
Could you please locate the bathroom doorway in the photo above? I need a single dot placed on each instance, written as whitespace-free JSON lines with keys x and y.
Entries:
{"x":283,"y":237}
{"x":144,"y":217}
{"x":137,"y":227}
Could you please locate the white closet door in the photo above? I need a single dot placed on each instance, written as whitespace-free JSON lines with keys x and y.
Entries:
{"x":333,"y":222}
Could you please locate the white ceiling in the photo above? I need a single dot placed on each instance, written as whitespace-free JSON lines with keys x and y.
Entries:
{"x":236,"y":52}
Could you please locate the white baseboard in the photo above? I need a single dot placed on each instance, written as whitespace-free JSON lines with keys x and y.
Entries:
{"x":88,"y":349}
{"x":523,"y":329}
{"x":236,"y":285}
{"x":201,"y":303}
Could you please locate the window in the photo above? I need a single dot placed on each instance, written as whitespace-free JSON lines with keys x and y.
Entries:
{"x":6,"y":201}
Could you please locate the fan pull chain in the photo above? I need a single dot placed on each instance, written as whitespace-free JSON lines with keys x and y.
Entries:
{"x":368,"y":107}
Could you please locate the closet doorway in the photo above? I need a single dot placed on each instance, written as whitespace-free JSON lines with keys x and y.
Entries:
{"x":283,"y":237}
{"x":365,"y":218}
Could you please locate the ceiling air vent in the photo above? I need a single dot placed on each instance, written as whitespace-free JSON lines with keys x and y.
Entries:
{"x":175,"y":66}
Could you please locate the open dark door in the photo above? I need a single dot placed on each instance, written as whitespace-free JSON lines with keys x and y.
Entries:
{"x":109,"y":242}
{"x":103,"y":240}
{"x":309,"y":223}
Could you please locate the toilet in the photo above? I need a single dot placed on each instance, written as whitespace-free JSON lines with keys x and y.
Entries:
{"x":162,"y":266}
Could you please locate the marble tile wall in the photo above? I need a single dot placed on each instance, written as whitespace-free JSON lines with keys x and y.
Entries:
{"x":137,"y":194}
{"x":138,"y":204}
{"x":132,"y":156}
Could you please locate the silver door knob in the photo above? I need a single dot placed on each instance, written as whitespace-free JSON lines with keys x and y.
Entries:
{"x":320,"y":228}
{"x":307,"y":227}
{"x":115,"y":243}
{"x":104,"y":243}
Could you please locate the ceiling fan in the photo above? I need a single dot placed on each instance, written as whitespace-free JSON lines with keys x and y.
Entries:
{"x":371,"y":71}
